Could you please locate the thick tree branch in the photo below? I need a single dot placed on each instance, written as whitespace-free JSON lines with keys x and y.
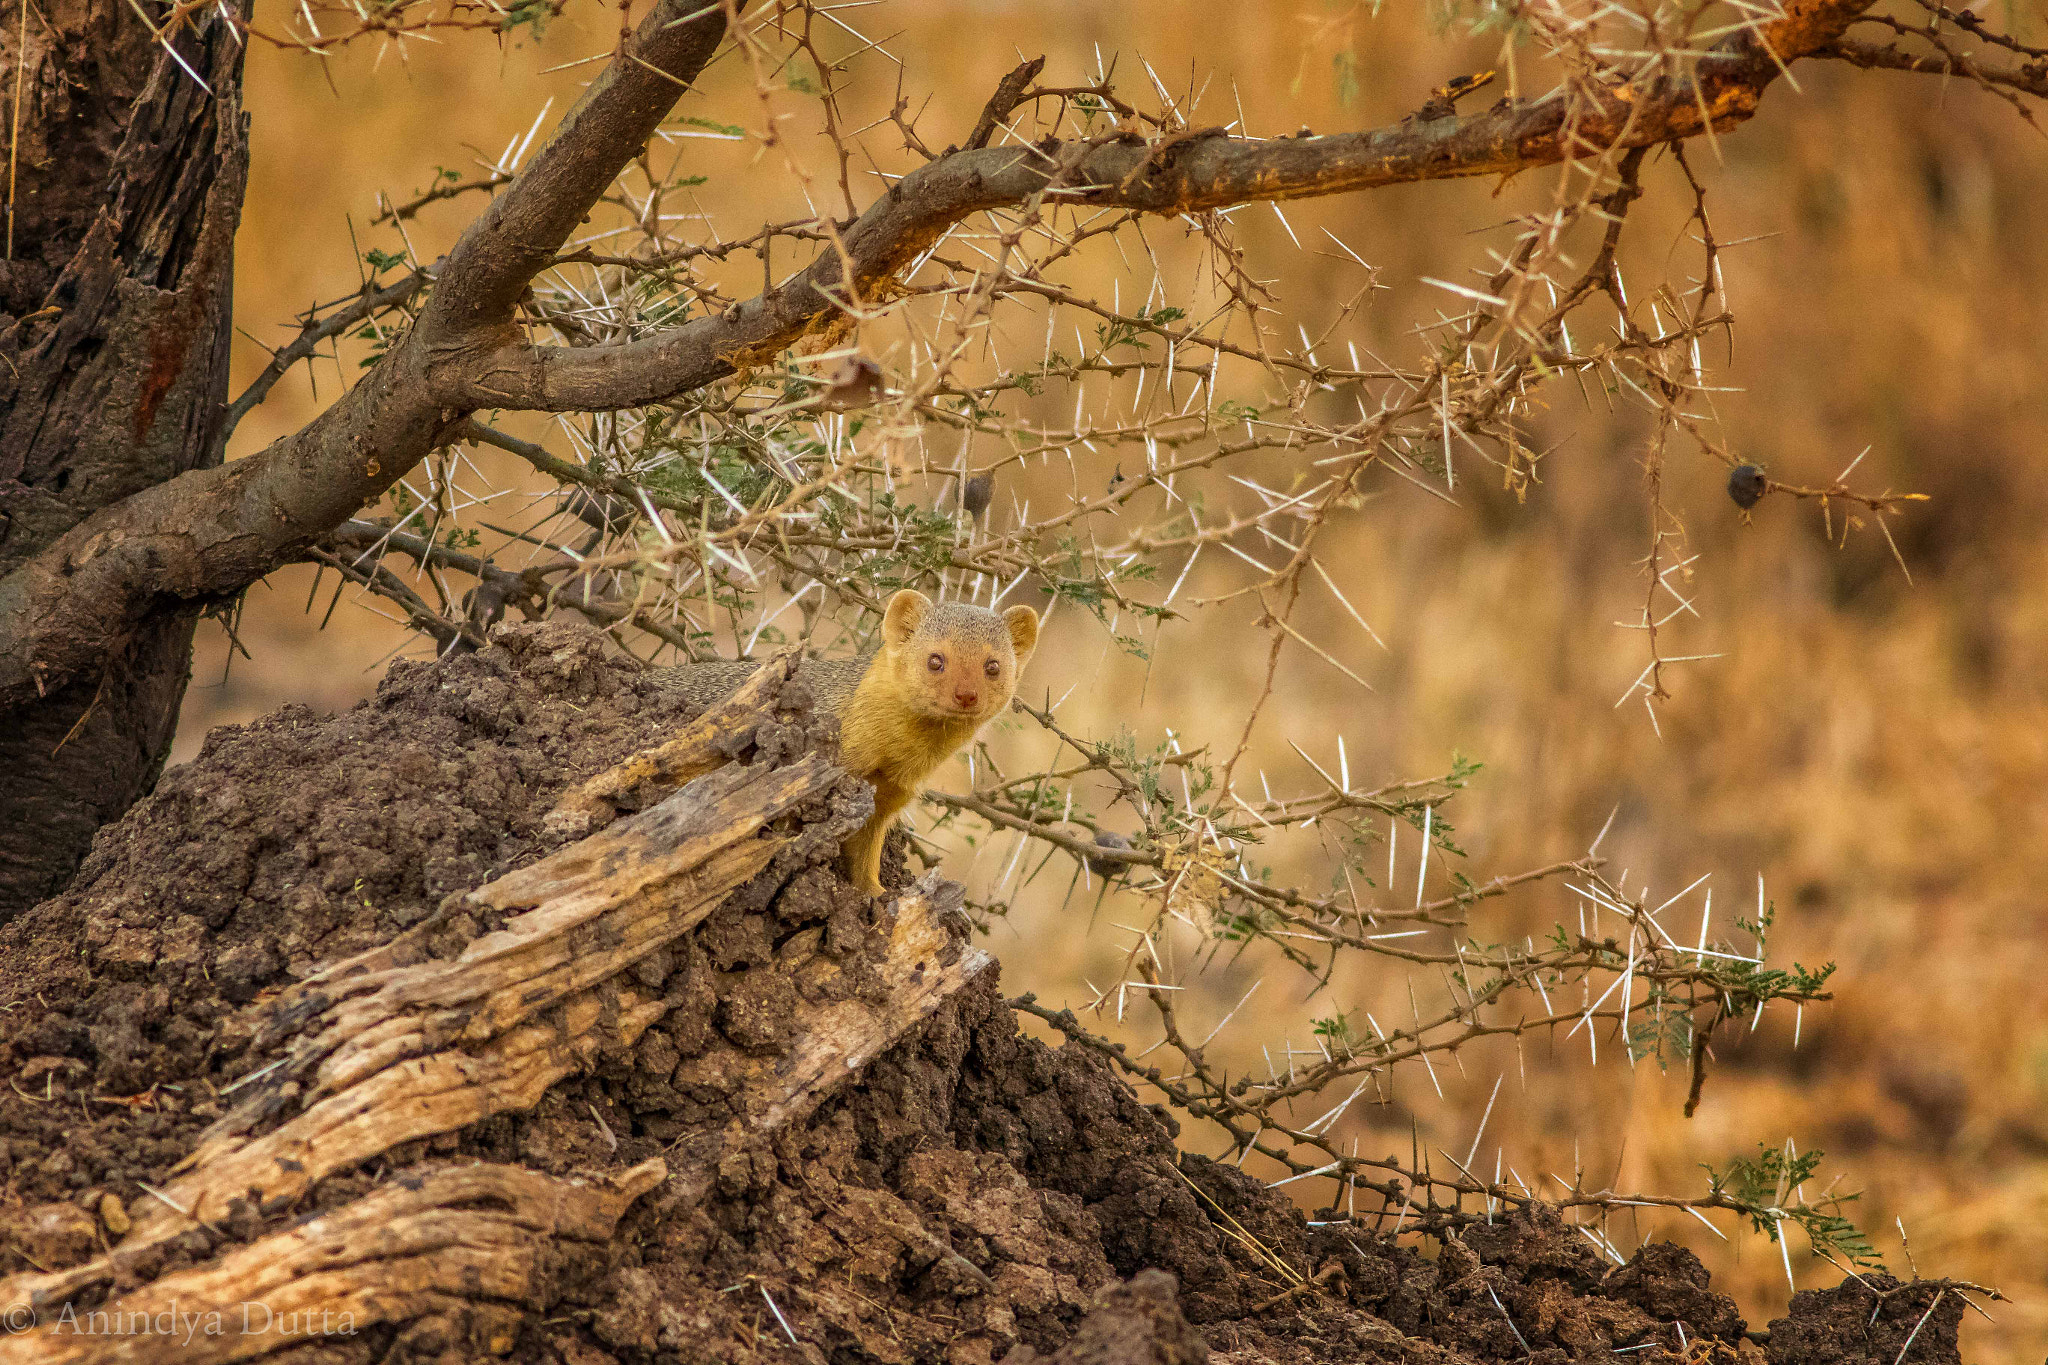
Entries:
{"x":2030,"y":79}
{"x":519,"y":234}
{"x":1195,"y":174}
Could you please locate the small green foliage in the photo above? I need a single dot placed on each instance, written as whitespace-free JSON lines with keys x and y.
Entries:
{"x":1760,"y":1185}
{"x":1132,"y":332}
{"x":1664,"y":1033}
{"x":1087,"y":582}
{"x":1480,"y":17}
{"x":692,"y":482}
{"x":531,"y":14}
{"x":1245,"y":923}
{"x":1745,"y":984}
{"x":1344,"y":71}
{"x":1338,"y":1032}
{"x":381,"y":261}
{"x":712,"y":126}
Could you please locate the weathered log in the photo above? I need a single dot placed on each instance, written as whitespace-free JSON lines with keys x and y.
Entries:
{"x":700,"y":746}
{"x":468,"y":1242}
{"x":389,"y":1053}
{"x":474,"y":1013}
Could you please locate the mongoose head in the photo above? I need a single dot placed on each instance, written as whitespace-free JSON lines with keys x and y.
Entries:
{"x":950,"y":661}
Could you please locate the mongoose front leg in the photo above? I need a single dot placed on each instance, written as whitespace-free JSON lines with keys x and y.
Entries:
{"x":861,"y":854}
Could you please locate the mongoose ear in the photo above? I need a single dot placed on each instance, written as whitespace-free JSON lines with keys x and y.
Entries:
{"x":1023,"y":624}
{"x":904,"y":614}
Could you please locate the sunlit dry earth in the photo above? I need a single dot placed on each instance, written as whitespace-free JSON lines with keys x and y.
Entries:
{"x":1875,"y":750}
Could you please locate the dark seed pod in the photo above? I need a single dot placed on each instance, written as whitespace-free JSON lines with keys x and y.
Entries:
{"x":1747,"y":485}
{"x":1109,"y":867}
{"x":977,"y":493}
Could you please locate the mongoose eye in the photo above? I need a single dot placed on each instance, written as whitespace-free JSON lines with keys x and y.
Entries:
{"x":993,"y":669}
{"x":936,"y":663}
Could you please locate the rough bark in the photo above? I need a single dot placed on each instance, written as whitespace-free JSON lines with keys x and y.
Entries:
{"x":127,"y":380}
{"x":117,"y":307}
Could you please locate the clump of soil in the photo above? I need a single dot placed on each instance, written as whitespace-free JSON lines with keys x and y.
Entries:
{"x":293,"y":841}
{"x":976,"y":1196}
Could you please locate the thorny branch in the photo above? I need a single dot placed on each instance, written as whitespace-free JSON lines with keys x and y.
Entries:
{"x":733,"y":469}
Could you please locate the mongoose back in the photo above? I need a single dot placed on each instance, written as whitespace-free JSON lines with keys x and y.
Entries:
{"x":941,"y":672}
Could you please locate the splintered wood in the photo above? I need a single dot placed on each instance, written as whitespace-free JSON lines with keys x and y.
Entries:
{"x":699,"y":747}
{"x":447,"y":1025}
{"x":471,"y":1241}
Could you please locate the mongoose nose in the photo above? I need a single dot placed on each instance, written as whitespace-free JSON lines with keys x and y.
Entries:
{"x":965,"y":697}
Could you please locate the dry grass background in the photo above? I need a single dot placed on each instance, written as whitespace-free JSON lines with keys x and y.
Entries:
{"x":1877,"y":751}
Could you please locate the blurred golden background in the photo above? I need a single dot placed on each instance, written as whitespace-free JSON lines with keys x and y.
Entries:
{"x":1876,"y":750}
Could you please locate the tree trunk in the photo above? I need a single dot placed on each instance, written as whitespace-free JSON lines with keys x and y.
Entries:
{"x":116,"y":301}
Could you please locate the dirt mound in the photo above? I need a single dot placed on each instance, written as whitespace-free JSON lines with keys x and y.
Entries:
{"x":976,"y":1196}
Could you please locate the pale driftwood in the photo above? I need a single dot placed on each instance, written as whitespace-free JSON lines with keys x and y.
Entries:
{"x":699,"y":747}
{"x":454,"y":1240}
{"x":922,"y":969}
{"x":409,"y":1051}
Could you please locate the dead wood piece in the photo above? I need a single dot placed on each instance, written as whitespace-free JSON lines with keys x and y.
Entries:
{"x":703,"y":744}
{"x":924,"y":967}
{"x":419,"y":1098}
{"x":419,"y":1246}
{"x":1009,"y":94}
{"x":390,"y":1053}
{"x":398,"y":1045}
{"x":597,"y":907}
{"x":482,"y":1236}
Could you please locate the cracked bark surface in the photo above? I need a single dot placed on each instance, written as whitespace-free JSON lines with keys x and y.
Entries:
{"x":115,"y":312}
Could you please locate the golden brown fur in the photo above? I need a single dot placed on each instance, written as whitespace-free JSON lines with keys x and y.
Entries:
{"x":942,"y":672}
